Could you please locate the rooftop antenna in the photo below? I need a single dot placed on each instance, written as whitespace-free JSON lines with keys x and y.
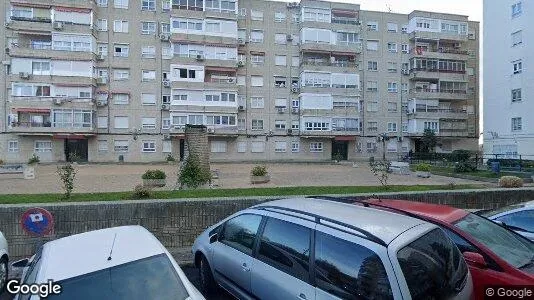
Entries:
{"x":388,"y":7}
{"x":112,"y":245}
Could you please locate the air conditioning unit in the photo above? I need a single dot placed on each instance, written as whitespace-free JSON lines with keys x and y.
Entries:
{"x":58,"y":101}
{"x":211,"y":130}
{"x":166,"y":83}
{"x":241,"y":107}
{"x":281,"y":110}
{"x":200,"y":57}
{"x":295,"y":110}
{"x":165,"y":107}
{"x":101,"y":80}
{"x":24,"y":75}
{"x":164,"y":37}
{"x":295,"y":90}
{"x":100,"y":57}
{"x":289,"y":37}
{"x":58,"y":25}
{"x":231,"y":80}
{"x":405,"y":72}
{"x":240,"y":63}
{"x":101,"y":103}
{"x":241,"y":41}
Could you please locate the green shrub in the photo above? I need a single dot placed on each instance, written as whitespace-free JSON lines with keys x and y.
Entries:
{"x":193,"y":174}
{"x":33,"y":160}
{"x":1,"y":162}
{"x":259,"y":171}
{"x":464,"y":167}
{"x":423,"y":167}
{"x":460,"y":155}
{"x":154,"y":174}
{"x":380,"y":170}
{"x":67,"y":175}
{"x":510,"y":182}
{"x":141,"y":192}
{"x":170,"y":158}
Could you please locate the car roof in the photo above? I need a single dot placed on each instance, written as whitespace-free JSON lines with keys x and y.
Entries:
{"x":495,"y":213}
{"x":444,"y":213}
{"x":89,"y":252}
{"x":382,"y":224}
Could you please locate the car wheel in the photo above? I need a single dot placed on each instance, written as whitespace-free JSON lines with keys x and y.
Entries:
{"x":3,"y":274}
{"x":207,"y":283}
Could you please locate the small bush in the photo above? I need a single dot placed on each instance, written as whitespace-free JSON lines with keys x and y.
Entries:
{"x":33,"y":160}
{"x":193,"y":174}
{"x":510,"y":182}
{"x":141,"y":192}
{"x":1,"y":162}
{"x":154,"y":174}
{"x":423,"y":167}
{"x":380,"y":170}
{"x":170,"y":158}
{"x":464,"y":167}
{"x":460,"y":155}
{"x":259,"y":171}
{"x":67,"y":176}
{"x":451,"y":186}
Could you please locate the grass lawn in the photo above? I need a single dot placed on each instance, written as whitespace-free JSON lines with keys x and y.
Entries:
{"x":481,"y":173}
{"x":207,"y":193}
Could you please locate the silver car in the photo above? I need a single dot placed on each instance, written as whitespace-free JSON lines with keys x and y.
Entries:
{"x":4,"y":260}
{"x":519,"y":218}
{"x":316,"y":249}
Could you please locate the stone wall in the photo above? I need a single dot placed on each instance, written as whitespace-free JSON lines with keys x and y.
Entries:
{"x":196,"y":141}
{"x":178,"y":222}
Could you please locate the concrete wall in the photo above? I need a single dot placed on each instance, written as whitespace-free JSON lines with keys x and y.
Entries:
{"x":178,"y":222}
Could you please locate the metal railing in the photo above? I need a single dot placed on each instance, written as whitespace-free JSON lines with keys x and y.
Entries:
{"x":447,"y":91}
{"x":446,"y":50}
{"x":343,"y":64}
{"x":437,"y":70}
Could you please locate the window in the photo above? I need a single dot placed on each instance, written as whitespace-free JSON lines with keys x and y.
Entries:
{"x":102,"y":146}
{"x":121,"y":74}
{"x":257,"y":59}
{"x":120,"y":26}
{"x":347,"y":38}
{"x":279,"y":124}
{"x":286,"y":247}
{"x":372,"y":45}
{"x":179,"y":120}
{"x":218,"y":146}
{"x":295,"y":61}
{"x":516,"y":9}
{"x":149,"y":146}
{"x":13,"y":146}
{"x":280,"y":38}
{"x":165,"y":123}
{"x":257,"y":124}
{"x":102,"y":49}
{"x":281,"y":60}
{"x":516,"y":95}
{"x":166,"y":146}
{"x":256,"y":80}
{"x":295,"y":125}
{"x":295,"y":147}
{"x":392,"y":106}
{"x":317,"y":126}
{"x":280,"y":147}
{"x":166,"y":5}
{"x":241,"y":147}
{"x":316,"y":147}
{"x":404,"y":88}
{"x":257,"y":147}
{"x":518,"y":66}
{"x":148,"y":5}
{"x":165,"y":28}
{"x":256,"y":102}
{"x":148,"y":27}
{"x":256,"y":36}
{"x":121,"y":3}
{"x":213,"y":26}
{"x":405,"y":48}
{"x":120,"y":146}
{"x":240,"y":232}
{"x":372,"y":86}
{"x":372,"y":66}
{"x":148,"y":75}
{"x":371,"y":147}
{"x":121,"y":98}
{"x":148,"y":123}
{"x":344,"y":269}
{"x":102,"y":3}
{"x":404,"y":29}
{"x":392,"y":87}
{"x":392,"y":67}
{"x":279,"y":17}
{"x":392,"y":127}
{"x":121,"y":122}
{"x":517,"y":124}
{"x":43,"y":146}
{"x":40,"y":68}
{"x":148,"y":52}
{"x":256,"y":15}
{"x":517,"y":38}
{"x":372,"y":26}
{"x":392,"y":47}
{"x":442,"y":268}
{"x":101,"y":24}
{"x":392,"y":27}
{"x":121,"y":50}
{"x":102,"y":122}
{"x":432,"y":125}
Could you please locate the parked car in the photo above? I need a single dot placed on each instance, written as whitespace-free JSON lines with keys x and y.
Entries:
{"x":125,"y":262}
{"x":495,"y":255}
{"x":519,"y":218}
{"x":316,"y":249}
{"x":4,"y":261}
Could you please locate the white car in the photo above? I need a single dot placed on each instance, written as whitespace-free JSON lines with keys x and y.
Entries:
{"x":125,"y":262}
{"x":4,"y":259}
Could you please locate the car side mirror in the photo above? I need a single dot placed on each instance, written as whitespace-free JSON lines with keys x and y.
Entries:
{"x":20,"y":263}
{"x":214,"y":238}
{"x":475,"y":259}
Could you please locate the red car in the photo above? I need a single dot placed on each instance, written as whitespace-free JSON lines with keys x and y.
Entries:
{"x":494,"y":254}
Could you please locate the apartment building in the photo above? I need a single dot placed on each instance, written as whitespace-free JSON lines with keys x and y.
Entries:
{"x":508,"y":121}
{"x":111,"y":80}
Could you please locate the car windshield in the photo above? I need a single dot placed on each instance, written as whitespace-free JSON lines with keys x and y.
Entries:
{"x":433,"y":267}
{"x":149,"y":278}
{"x":509,"y":246}
{"x":493,"y":212}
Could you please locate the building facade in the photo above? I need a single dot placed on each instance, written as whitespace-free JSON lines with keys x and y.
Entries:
{"x":273,"y":81}
{"x":508,"y":121}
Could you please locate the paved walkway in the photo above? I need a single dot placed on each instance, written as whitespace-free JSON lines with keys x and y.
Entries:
{"x":114,"y":177}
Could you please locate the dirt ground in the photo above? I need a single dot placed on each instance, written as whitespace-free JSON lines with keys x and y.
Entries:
{"x":114,"y":177}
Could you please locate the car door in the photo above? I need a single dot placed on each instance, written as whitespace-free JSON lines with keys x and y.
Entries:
{"x":232,"y":253}
{"x":282,"y":264}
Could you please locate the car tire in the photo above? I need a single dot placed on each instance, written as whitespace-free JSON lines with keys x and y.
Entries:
{"x":4,"y":272}
{"x":207,"y":282}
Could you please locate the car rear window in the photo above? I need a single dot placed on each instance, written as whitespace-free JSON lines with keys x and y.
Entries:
{"x":149,"y":278}
{"x":433,"y":267}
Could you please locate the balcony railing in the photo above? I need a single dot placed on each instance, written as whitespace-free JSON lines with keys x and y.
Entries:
{"x":342,"y":64}
{"x":31,"y":124}
{"x":437,"y":70}
{"x":419,"y":51}
{"x":34,"y":19}
{"x":222,"y":80}
{"x":345,"y":20}
{"x":438,"y":110}
{"x":447,"y":91}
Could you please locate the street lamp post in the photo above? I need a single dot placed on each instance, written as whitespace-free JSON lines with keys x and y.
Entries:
{"x":383,"y":137}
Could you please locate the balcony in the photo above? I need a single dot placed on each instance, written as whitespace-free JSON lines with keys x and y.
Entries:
{"x":451,"y":53}
{"x":434,"y":36}
{"x":437,"y":113}
{"x":201,"y":38}
{"x":350,"y":48}
{"x":44,"y":50}
{"x":329,"y":64}
{"x":33,"y":121}
{"x":186,"y":59}
{"x":441,"y":94}
{"x":222,"y":129}
{"x":444,"y":75}
{"x":66,"y":3}
{"x":30,"y":24}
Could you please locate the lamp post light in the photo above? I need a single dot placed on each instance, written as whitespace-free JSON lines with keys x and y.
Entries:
{"x":383,"y":137}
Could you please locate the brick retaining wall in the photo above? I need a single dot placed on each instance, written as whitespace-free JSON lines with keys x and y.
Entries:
{"x":178,"y":222}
